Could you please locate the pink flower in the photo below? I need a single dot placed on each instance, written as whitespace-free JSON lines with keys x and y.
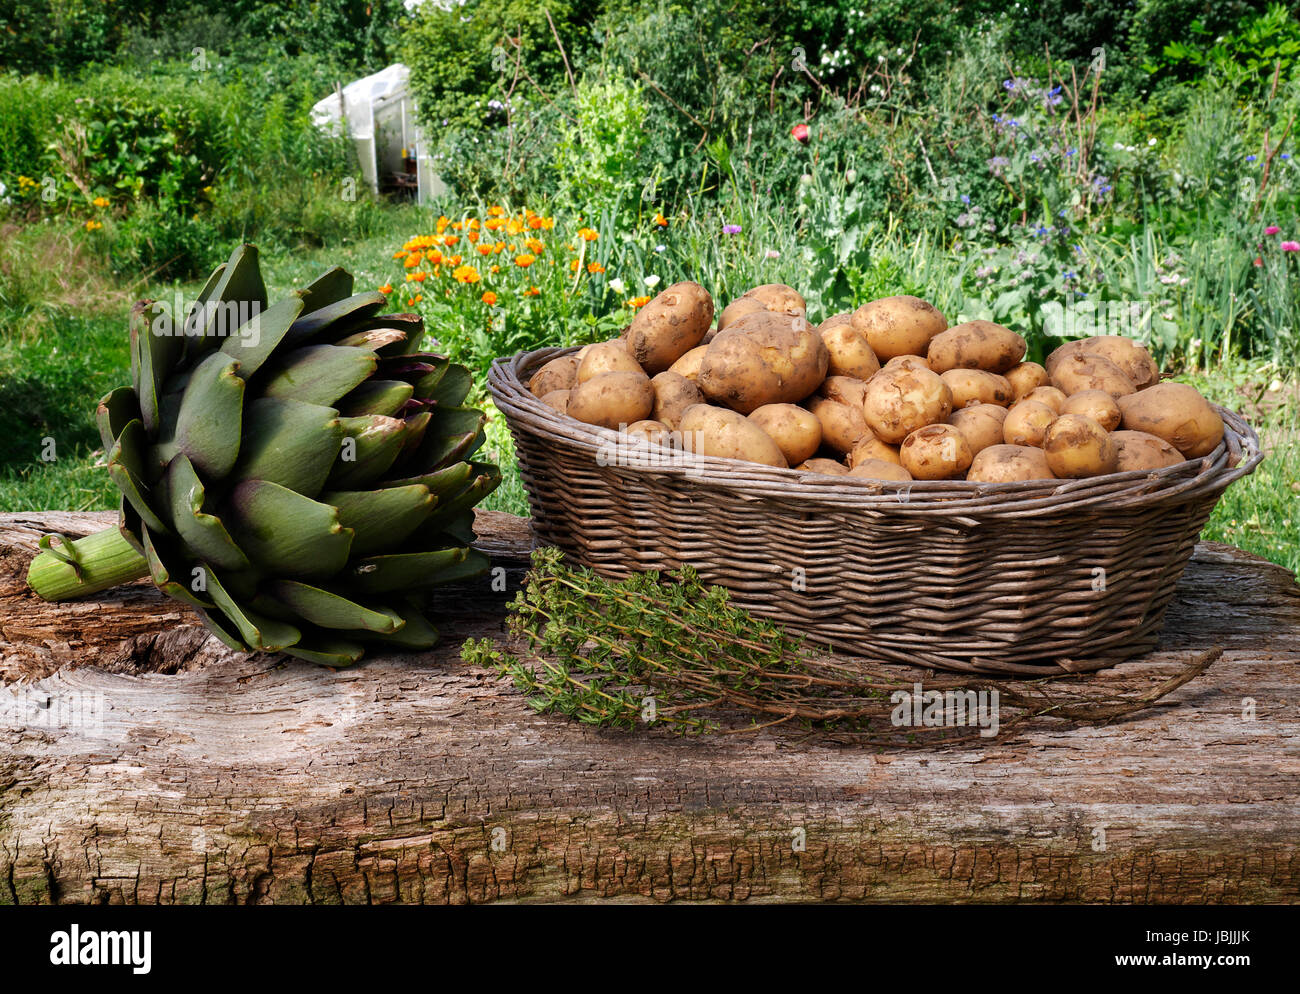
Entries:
{"x":1272,"y":229}
{"x":1259,"y":261}
{"x":800,"y":133}
{"x":1290,"y":246}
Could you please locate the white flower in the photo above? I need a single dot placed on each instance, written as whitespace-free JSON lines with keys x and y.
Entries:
{"x":772,"y":254}
{"x":1151,"y":141}
{"x":617,"y":285}
{"x":661,"y":248}
{"x":652,"y":281}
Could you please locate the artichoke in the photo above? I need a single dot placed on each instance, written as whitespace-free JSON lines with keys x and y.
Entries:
{"x":299,"y":473}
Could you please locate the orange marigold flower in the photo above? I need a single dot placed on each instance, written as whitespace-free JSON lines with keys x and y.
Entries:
{"x":434,"y":257}
{"x":472,"y":224}
{"x":532,"y":291}
{"x":100,"y":201}
{"x":525,"y":260}
{"x":412,"y":301}
{"x":465,"y":274}
{"x":442,"y":223}
{"x":419,"y":277}
{"x":489,"y":298}
{"x":400,"y":253}
{"x":661,"y":220}
{"x":573,"y":266}
{"x":588,"y":234}
{"x":450,"y":240}
{"x":514,"y":226}
{"x":534,"y":222}
{"x":93,"y":225}
{"x":493,"y":223}
{"x":387,"y":288}
{"x":595,"y":267}
{"x":413,"y":260}
{"x":548,"y":223}
{"x":485,"y":250}
{"x":472,"y":236}
{"x":638,"y":302}
{"x":499,"y":247}
{"x":534,"y":246}
{"x":496,"y":211}
{"x":458,"y":226}
{"x":495,"y":269}
{"x":454,"y":260}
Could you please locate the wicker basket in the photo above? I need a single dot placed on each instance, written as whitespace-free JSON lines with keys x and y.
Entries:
{"x":1014,"y":578}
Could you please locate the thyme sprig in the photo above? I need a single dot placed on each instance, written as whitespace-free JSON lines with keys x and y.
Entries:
{"x":675,"y":653}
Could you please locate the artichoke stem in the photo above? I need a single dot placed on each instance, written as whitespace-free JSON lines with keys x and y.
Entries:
{"x":103,"y":560}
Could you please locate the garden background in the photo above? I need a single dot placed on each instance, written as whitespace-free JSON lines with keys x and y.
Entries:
{"x":1059,"y":170}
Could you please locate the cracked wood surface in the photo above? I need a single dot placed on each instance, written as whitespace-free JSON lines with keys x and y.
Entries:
{"x":141,"y":761}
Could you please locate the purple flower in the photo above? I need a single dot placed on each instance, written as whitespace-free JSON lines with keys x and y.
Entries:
{"x":965,"y":198}
{"x":731,"y":229}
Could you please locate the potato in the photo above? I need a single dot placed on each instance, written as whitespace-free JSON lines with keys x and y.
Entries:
{"x":669,"y":326}
{"x":689,"y":364}
{"x":1050,"y":396}
{"x":1131,"y":357}
{"x":1009,"y":464}
{"x":717,"y":431}
{"x":612,"y":399}
{"x":1177,"y":413}
{"x":1026,"y":376}
{"x":1027,"y":423}
{"x":558,"y":374}
{"x":873,"y":448}
{"x":900,"y":400}
{"x":1079,"y":371}
{"x":778,"y":297}
{"x":850,"y":352}
{"x":1096,"y":404}
{"x":796,"y":432}
{"x":1077,"y":447}
{"x":655,"y":432}
{"x":846,"y":389}
{"x":980,"y":425}
{"x":606,"y":357}
{"x":842,"y":425}
{"x":673,"y":394}
{"x":1140,"y":451}
{"x":976,"y":345}
{"x":764,"y":358}
{"x":901,"y":325}
{"x":879,"y":469}
{"x":936,"y":452}
{"x":826,"y":467}
{"x":737,"y":309}
{"x":907,"y":362}
{"x":558,"y":399}
{"x":975,"y":386}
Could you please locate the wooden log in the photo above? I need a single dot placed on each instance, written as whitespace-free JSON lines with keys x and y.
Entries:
{"x":140,"y":761}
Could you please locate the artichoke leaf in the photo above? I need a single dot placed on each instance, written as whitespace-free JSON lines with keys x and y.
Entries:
{"x":376,"y":397}
{"x":115,"y":412}
{"x":403,"y":571}
{"x":327,"y":609}
{"x":371,"y":444}
{"x":319,"y":374}
{"x":338,"y":318}
{"x":165,"y":577}
{"x":127,"y":469}
{"x":257,"y":631}
{"x":381,"y":519}
{"x":257,"y":339}
{"x":290,"y":443}
{"x":286,"y":533}
{"x":204,"y":533}
{"x":210,"y":415}
{"x":329,"y":287}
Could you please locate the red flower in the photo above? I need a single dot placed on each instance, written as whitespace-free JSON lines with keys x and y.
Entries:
{"x":800,"y":133}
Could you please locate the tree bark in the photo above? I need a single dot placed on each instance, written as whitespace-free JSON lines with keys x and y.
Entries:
{"x":141,"y":761}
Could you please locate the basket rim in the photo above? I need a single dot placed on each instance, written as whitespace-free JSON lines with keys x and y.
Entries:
{"x":1236,"y":456}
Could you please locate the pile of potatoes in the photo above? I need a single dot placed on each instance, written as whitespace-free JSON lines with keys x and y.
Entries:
{"x":887,"y":392}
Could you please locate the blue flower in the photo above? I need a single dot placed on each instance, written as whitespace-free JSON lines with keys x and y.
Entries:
{"x":1071,"y":151}
{"x":1250,"y":158}
{"x":1286,"y":155}
{"x":965,"y":198}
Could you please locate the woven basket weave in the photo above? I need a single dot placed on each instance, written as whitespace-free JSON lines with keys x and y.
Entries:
{"x":1032,"y":578}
